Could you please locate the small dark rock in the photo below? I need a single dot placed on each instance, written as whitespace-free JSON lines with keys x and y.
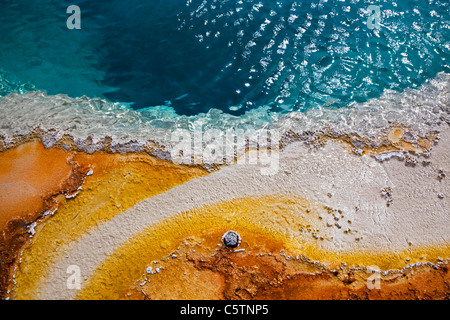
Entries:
{"x":426,"y":163}
{"x":231,"y":239}
{"x":410,"y":161}
{"x":441,"y":174}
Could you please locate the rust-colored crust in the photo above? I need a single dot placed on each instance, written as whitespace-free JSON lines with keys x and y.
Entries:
{"x":43,"y":177}
{"x":247,"y":275}
{"x":36,"y":181}
{"x":45,"y":174}
{"x":75,"y":191}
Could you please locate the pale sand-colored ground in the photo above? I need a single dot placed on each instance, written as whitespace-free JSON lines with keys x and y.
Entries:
{"x":329,"y":175}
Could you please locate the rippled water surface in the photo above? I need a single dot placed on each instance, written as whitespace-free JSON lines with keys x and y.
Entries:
{"x":225,"y":54}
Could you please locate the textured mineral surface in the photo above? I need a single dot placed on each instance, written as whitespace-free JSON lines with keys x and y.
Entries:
{"x":352,"y":204}
{"x":329,"y":224}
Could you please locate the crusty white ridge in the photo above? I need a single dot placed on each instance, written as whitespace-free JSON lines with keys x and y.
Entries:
{"x":93,"y":122}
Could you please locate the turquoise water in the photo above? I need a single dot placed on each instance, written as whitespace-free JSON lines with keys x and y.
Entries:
{"x":234,"y":56}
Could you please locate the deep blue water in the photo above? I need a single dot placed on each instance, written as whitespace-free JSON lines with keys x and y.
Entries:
{"x":226,"y":54}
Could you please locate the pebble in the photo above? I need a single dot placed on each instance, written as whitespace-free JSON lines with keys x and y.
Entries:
{"x":231,"y":239}
{"x":426,"y":163}
{"x":357,"y":151}
{"x":441,"y":174}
